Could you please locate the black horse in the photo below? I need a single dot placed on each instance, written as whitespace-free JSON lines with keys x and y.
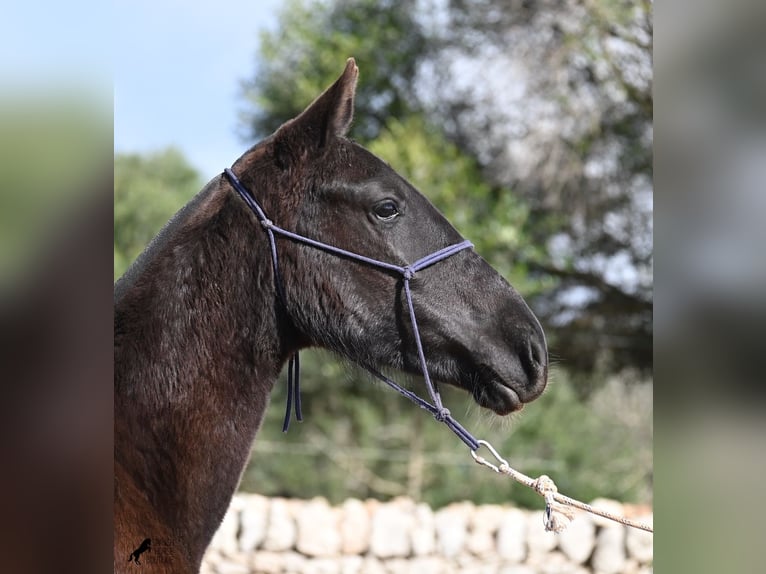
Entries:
{"x":202,"y":328}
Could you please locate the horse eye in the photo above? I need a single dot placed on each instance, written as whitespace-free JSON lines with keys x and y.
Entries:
{"x":386,"y":210}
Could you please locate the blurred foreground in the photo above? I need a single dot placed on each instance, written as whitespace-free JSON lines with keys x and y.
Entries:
{"x":55,"y":315}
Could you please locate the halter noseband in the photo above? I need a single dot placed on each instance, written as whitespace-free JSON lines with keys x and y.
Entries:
{"x":407,"y":272}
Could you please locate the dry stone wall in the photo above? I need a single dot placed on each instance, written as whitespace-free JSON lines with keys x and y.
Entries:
{"x":275,"y":535}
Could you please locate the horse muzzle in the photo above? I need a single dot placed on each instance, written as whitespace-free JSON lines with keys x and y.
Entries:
{"x":506,"y":379}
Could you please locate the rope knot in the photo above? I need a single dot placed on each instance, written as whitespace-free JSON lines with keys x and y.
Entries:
{"x":266,"y":223}
{"x":442,"y":415}
{"x":544,"y":486}
{"x":557,"y":517}
{"x":408,"y":273}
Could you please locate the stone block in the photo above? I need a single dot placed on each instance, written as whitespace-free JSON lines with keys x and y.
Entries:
{"x":266,"y":562}
{"x":516,"y":569}
{"x":321,"y":566}
{"x":227,"y":567}
{"x":539,"y":541}
{"x":294,"y":562}
{"x":355,"y":527}
{"x":351,"y":565}
{"x":511,"y":536}
{"x":398,"y":566}
{"x":640,"y":543}
{"x":579,"y":538}
{"x":451,"y":525}
{"x":225,"y":538}
{"x":253,"y":520}
{"x":281,"y":530}
{"x":318,"y":529}
{"x":391,"y":527}
{"x":609,"y":556}
{"x":428,"y":565}
{"x":372,"y":565}
{"x":557,"y":563}
{"x":483,"y":525}
{"x":423,"y":531}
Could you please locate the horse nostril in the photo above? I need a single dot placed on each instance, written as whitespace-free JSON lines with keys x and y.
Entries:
{"x":534,"y":358}
{"x":535,"y":353}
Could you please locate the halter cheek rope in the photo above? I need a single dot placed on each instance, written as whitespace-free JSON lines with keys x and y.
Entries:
{"x":555,"y":518}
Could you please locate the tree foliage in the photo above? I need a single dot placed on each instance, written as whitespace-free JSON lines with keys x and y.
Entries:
{"x":148,"y":190}
{"x":566,"y":121}
{"x":302,"y":57}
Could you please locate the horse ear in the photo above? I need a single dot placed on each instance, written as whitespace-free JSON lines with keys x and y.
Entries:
{"x":338,"y":100}
{"x":327,"y":117}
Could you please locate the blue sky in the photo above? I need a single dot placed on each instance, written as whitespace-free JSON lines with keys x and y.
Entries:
{"x":177,"y":70}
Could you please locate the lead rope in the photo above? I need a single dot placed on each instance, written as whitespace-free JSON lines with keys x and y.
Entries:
{"x":556,"y":516}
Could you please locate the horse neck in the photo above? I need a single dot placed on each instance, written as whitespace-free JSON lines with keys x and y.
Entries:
{"x":198,"y":345}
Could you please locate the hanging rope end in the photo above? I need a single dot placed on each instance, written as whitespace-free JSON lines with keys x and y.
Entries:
{"x":557,"y":516}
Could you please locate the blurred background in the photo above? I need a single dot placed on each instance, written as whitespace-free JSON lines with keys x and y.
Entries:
{"x":528,"y":124}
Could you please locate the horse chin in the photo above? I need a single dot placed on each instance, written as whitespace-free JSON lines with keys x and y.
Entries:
{"x":498,"y":397}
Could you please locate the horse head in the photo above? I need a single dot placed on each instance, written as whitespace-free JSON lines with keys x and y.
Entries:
{"x":477,"y":331}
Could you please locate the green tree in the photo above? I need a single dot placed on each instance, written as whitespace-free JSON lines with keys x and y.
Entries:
{"x":148,"y":190}
{"x":566,"y":120}
{"x":301,"y":58}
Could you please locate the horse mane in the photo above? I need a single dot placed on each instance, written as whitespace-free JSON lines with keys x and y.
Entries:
{"x":193,"y":208}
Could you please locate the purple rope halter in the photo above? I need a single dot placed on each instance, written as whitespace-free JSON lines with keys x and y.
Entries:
{"x":407,"y":272}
